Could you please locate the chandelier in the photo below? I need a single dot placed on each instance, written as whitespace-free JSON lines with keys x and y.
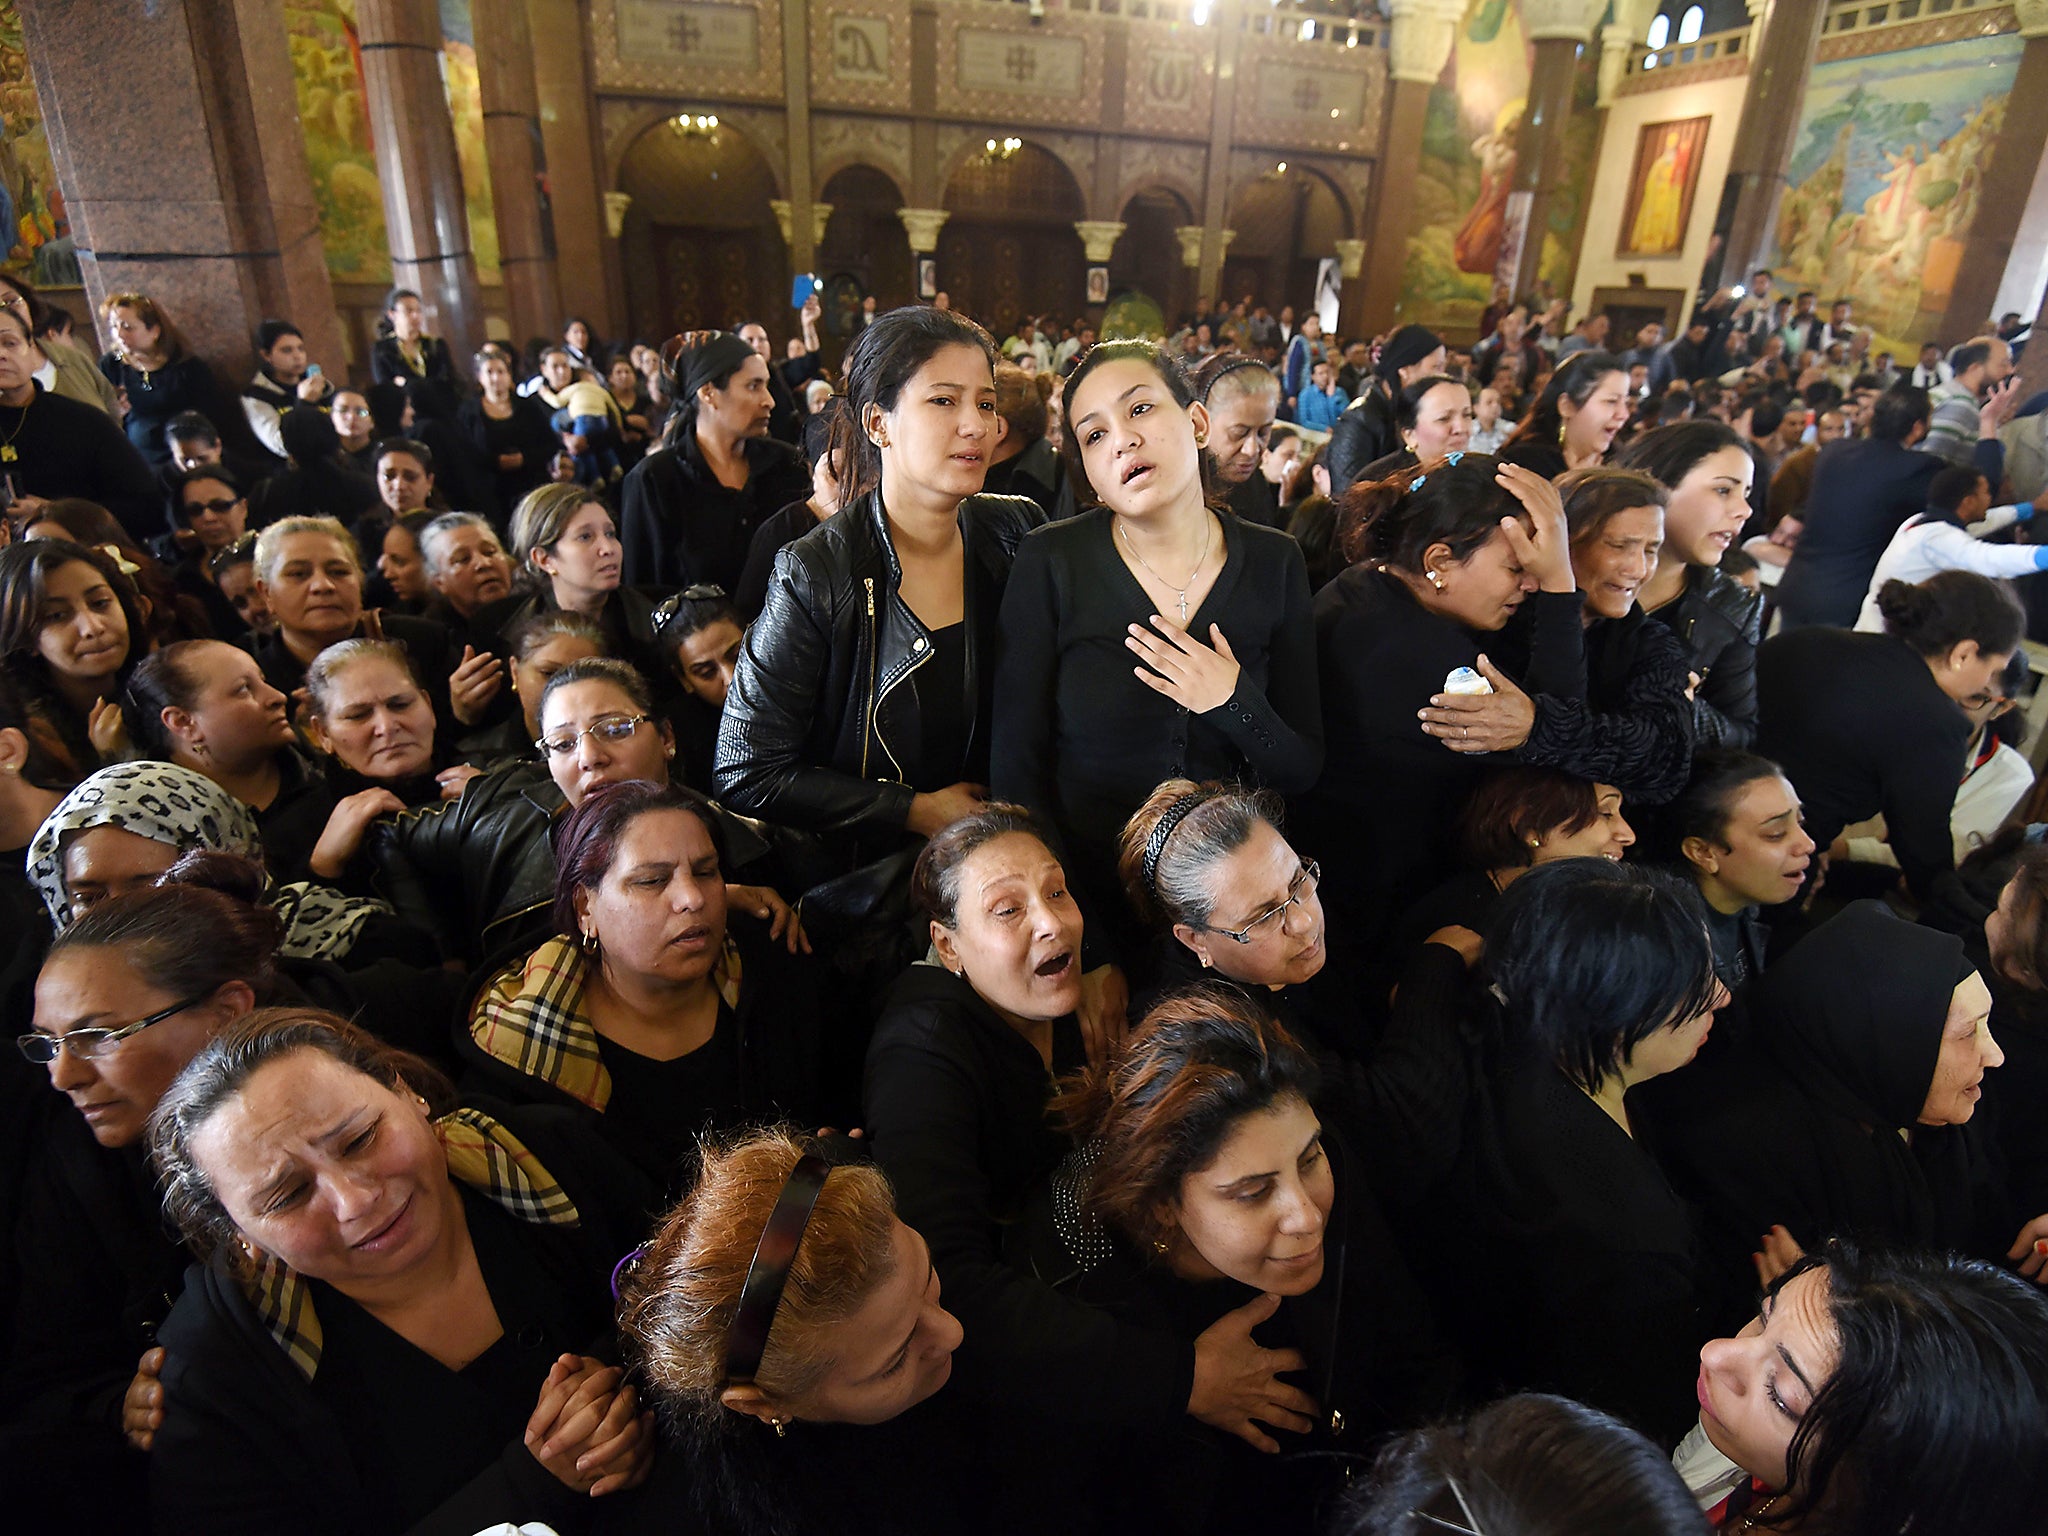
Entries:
{"x":702,"y":125}
{"x":998,"y":150}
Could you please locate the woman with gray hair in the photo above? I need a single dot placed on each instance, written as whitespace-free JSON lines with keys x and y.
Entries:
{"x":466,"y":566}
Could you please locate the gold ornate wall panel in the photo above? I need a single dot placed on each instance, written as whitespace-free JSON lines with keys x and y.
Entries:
{"x":1308,"y":97}
{"x":1169,"y":79}
{"x":728,"y":49}
{"x":993,"y":68}
{"x":839,"y":141}
{"x":860,"y":54}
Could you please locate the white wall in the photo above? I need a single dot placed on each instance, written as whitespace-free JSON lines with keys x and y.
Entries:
{"x":1599,"y":267}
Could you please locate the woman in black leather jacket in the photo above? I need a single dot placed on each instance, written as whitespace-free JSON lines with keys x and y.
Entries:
{"x":1718,"y":620}
{"x":860,"y":709}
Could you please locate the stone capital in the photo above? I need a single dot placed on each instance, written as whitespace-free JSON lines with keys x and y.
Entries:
{"x":615,"y":206}
{"x":1615,"y":47}
{"x":2033,"y":17}
{"x":1350,"y":258}
{"x":922,"y":225}
{"x":1190,"y":237}
{"x":1223,"y":239}
{"x":1420,"y":40}
{"x":1098,"y":238}
{"x":1570,"y":21}
{"x":784,"y":212}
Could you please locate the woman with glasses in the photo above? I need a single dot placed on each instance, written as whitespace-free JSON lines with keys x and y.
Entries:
{"x":647,"y":1008}
{"x":157,"y":375}
{"x":51,"y":445}
{"x":208,"y":503}
{"x":1868,"y":724}
{"x":125,"y":999}
{"x":478,"y":872}
{"x":1151,"y":637}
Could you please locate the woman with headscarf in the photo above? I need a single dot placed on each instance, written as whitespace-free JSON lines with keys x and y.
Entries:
{"x":128,"y":824}
{"x":688,"y":512}
{"x":1367,"y":430}
{"x":1847,"y":1113}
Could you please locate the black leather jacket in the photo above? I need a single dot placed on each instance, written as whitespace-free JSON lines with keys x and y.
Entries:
{"x":1718,"y":621}
{"x":819,"y":733}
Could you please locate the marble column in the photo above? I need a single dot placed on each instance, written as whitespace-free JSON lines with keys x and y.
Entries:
{"x":425,"y":216}
{"x":1559,"y":29}
{"x":1780,"y":64}
{"x":1216,"y":187}
{"x":584,"y":258}
{"x":1418,"y":47}
{"x":204,"y":87}
{"x":2008,"y":183}
{"x":2033,"y":368}
{"x":513,"y":149}
{"x":796,"y":81}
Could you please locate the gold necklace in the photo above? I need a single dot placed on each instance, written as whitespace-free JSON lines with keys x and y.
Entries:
{"x":8,"y":453}
{"x":1180,"y":590}
{"x":1749,"y":1520}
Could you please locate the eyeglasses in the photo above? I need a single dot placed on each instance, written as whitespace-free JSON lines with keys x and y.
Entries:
{"x":1299,"y":890}
{"x":220,"y":504}
{"x":606,"y":728}
{"x":90,"y":1044}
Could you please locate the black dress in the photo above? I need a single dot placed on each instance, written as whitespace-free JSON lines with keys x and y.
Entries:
{"x":432,"y":387}
{"x":680,"y":525}
{"x":154,"y":397}
{"x":525,"y":432}
{"x":1861,"y":727}
{"x":955,"y":1109}
{"x":1080,"y":739}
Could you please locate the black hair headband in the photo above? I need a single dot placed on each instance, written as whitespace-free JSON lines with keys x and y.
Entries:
{"x":1164,"y":828}
{"x":671,"y":606}
{"x":1225,"y":372}
{"x":768,"y":1274}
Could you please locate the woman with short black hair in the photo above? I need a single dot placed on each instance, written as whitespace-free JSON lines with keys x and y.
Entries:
{"x":1741,"y":834}
{"x":1604,"y":978}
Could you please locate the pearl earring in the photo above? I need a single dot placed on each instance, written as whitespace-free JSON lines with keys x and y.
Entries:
{"x":1435,"y":579}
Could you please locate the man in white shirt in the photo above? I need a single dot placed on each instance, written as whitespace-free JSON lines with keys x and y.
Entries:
{"x":1931,"y":370}
{"x":1945,"y":538}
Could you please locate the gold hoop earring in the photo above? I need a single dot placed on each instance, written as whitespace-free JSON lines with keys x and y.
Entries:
{"x":781,"y":1428}
{"x":589,"y":943}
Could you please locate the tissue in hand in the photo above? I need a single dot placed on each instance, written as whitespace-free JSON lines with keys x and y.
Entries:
{"x":1466,"y":680}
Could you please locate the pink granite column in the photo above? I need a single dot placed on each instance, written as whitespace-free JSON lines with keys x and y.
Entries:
{"x":512,"y":144}
{"x":425,"y":216}
{"x":174,"y":129}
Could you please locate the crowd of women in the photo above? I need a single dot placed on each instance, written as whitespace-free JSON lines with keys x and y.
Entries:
{"x":782,"y":990}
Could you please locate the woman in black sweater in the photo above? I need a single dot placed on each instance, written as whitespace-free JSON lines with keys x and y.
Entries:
{"x":1118,"y":671}
{"x":959,"y":1076}
{"x":688,"y":511}
{"x":1209,"y":1192}
{"x":1873,"y":723}
{"x":417,"y":363}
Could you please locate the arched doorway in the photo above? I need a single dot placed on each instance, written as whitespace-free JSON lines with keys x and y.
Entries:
{"x":700,"y":245}
{"x":864,"y":250}
{"x":1147,"y":254}
{"x":1286,"y":222}
{"x":1009,"y":249}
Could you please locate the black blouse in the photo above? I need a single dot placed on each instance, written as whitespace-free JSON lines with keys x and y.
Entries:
{"x":658,"y":1108}
{"x":1081,"y":739}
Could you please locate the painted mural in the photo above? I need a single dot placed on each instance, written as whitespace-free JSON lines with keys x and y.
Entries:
{"x":327,"y":63}
{"x":35,"y":235}
{"x":1460,"y":214}
{"x":1885,"y":180}
{"x":465,"y":105}
{"x":327,"y":66}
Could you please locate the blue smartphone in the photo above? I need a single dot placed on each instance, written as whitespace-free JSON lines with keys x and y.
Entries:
{"x":804,"y":289}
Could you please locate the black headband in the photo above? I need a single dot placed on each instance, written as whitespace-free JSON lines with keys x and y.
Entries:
{"x":1164,"y":828}
{"x":774,"y":1257}
{"x":1226,"y":371}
